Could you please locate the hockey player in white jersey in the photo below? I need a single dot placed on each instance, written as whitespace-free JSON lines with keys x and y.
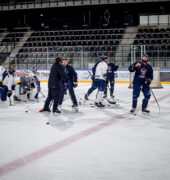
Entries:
{"x":2,"y":70}
{"x":35,"y":81}
{"x":8,"y":86}
{"x":100,"y":80}
{"x":26,"y":89}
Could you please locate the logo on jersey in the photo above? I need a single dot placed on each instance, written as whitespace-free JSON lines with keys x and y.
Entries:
{"x":143,"y":72}
{"x":109,"y":69}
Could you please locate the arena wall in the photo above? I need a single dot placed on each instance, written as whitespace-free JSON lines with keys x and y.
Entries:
{"x":84,"y":76}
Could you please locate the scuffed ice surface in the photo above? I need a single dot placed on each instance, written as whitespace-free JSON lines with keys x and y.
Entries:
{"x":132,"y":148}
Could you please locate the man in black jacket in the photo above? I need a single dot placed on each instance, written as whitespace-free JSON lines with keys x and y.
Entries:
{"x":57,"y":76}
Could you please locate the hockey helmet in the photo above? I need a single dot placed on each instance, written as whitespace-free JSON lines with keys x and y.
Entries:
{"x":104,"y":58}
{"x":11,"y":71}
{"x":34,"y":69}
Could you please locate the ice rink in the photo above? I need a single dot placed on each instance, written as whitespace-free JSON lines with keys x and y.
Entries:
{"x":92,"y":144}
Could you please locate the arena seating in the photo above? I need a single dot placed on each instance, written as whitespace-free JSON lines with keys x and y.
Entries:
{"x":43,"y":46}
{"x":69,"y":43}
{"x":157,"y":41}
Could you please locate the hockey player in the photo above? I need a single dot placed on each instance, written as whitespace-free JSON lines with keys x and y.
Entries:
{"x":35,"y":81}
{"x":100,"y":80}
{"x":142,"y":80}
{"x":25,"y":90}
{"x":8,"y":86}
{"x":110,"y":78}
{"x":57,"y":75}
{"x":2,"y":71}
{"x":71,"y":76}
{"x":94,"y":84}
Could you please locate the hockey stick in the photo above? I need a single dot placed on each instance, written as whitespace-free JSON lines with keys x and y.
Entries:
{"x":155,"y":99}
{"x":10,"y":101}
{"x":42,"y":94}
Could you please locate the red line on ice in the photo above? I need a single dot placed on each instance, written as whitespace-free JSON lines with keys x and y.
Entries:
{"x":18,"y":163}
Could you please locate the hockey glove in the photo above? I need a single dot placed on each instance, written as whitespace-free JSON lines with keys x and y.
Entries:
{"x":75,"y":84}
{"x":9,"y":93}
{"x":105,"y":76}
{"x":116,"y":67}
{"x":148,"y":82}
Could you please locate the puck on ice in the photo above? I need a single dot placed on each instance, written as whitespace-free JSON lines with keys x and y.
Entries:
{"x":26,"y":111}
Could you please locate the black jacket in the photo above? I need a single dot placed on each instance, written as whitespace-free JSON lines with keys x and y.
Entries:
{"x":57,"y":75}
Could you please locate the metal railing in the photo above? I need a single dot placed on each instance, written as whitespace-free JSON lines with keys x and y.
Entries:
{"x":33,"y":4}
{"x":84,"y":58}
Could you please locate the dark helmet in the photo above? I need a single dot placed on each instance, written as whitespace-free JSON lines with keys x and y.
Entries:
{"x":11,"y":71}
{"x":103,"y":58}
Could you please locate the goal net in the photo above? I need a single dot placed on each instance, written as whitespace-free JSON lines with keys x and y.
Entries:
{"x":156,"y":82}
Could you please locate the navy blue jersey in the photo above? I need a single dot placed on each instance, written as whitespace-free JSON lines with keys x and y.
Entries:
{"x":111,"y":69}
{"x":70,"y":73}
{"x":142,"y":73}
{"x":4,"y":75}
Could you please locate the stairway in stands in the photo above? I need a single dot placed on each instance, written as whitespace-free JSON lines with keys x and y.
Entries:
{"x":124,"y":48}
{"x":18,"y":46}
{"x":4,"y":50}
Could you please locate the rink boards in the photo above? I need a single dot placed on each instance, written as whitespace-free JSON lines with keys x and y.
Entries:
{"x":84,"y":76}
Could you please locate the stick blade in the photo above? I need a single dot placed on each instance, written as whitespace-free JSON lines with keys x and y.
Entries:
{"x":41,"y":110}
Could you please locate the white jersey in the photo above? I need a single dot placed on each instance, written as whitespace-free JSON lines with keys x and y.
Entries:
{"x":33,"y":76}
{"x":9,"y":81}
{"x":2,"y":70}
{"x":101,"y":71}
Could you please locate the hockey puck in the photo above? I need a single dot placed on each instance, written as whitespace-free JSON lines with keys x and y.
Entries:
{"x":47,"y":123}
{"x":26,"y":111}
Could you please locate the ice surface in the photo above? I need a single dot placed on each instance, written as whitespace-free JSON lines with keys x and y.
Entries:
{"x":129,"y":148}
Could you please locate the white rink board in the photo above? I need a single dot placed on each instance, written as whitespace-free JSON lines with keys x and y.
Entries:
{"x":83,"y":75}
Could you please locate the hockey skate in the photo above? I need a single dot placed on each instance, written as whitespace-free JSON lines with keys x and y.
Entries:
{"x":75,"y":107}
{"x":145,"y":111}
{"x":112,"y":96}
{"x":86,"y":96}
{"x":105,"y":96}
{"x":16,"y":98}
{"x":100,"y":105}
{"x":132,"y":110}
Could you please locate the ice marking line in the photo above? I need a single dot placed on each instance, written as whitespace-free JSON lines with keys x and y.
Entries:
{"x":18,"y":163}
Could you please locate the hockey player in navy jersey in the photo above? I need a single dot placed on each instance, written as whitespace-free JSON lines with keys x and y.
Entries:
{"x":142,"y":80}
{"x":110,"y":78}
{"x":71,"y":83}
